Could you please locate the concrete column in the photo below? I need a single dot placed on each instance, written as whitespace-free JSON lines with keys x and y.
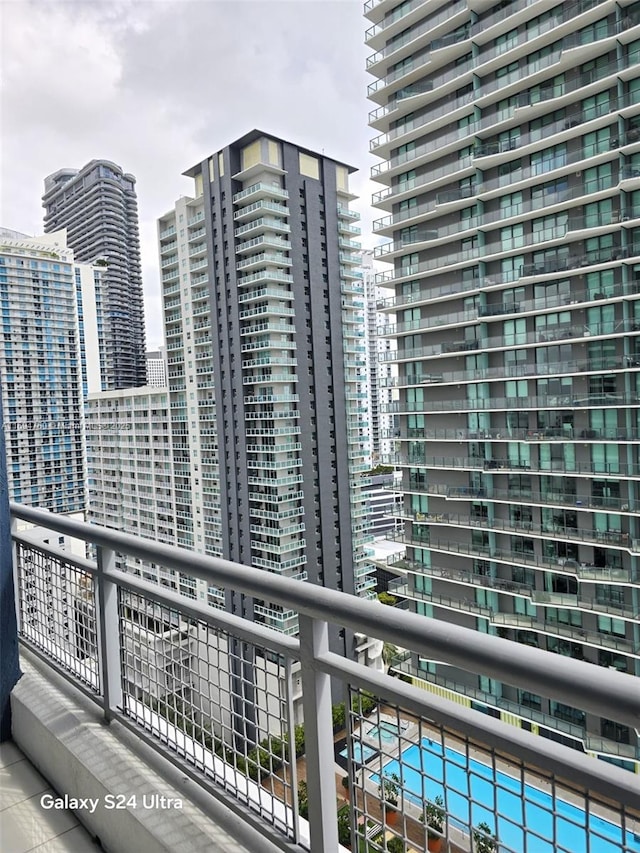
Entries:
{"x":9,"y":667}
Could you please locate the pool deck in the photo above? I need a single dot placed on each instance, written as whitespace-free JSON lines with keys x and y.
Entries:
{"x":414,"y":731}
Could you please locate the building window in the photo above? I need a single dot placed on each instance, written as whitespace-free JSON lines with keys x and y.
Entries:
{"x":613,"y":660}
{"x":596,"y":142}
{"x":549,"y":227}
{"x":613,"y":627}
{"x":569,"y":714}
{"x":614,"y":731}
{"x":549,"y":159}
{"x":512,"y":237}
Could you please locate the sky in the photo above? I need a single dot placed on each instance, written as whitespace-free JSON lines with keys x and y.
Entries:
{"x":156,"y":86}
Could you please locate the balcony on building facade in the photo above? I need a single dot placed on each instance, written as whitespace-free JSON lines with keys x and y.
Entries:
{"x":87,"y":630}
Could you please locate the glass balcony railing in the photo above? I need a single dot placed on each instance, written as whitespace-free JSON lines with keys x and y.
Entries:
{"x":416,"y":32}
{"x":497,"y":465}
{"x":508,"y":434}
{"x":548,"y":401}
{"x":616,"y":538}
{"x":262,"y":190}
{"x":506,"y":372}
{"x":421,"y":121}
{"x":397,"y":14}
{"x":222,"y":698}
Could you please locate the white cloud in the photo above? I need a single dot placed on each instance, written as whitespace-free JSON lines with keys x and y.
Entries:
{"x":158,"y":86}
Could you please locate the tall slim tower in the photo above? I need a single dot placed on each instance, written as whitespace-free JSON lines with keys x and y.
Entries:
{"x":382,"y":372}
{"x":263,"y":311}
{"x":509,"y":138}
{"x":98,"y":206}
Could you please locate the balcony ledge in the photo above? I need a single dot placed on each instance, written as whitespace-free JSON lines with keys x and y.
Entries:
{"x":63,"y":734}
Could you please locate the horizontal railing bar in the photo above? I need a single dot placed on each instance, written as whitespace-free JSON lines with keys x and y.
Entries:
{"x":237,"y":626}
{"x":612,"y":695}
{"x":531,"y":749}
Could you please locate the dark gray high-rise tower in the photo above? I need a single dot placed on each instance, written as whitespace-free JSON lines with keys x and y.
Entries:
{"x":98,"y":207}
{"x":265,"y":350}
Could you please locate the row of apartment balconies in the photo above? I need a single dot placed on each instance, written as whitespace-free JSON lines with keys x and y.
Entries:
{"x":546,"y":531}
{"x":496,"y":282}
{"x":531,"y":403}
{"x":551,"y":334}
{"x":586,"y":192}
{"x":465,"y":166}
{"x":451,"y":140}
{"x":518,"y":492}
{"x":562,"y":262}
{"x":536,"y":307}
{"x":604,"y":602}
{"x":496,"y":465}
{"x":549,"y":627}
{"x":462,"y":41}
{"x":599,"y":222}
{"x":612,"y":364}
{"x":611,"y":572}
{"x":416,"y":68}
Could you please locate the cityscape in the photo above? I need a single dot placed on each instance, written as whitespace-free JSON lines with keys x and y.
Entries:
{"x":338,"y":453}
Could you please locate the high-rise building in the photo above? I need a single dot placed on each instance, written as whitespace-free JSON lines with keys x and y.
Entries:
{"x":381,"y":371}
{"x":262,"y":300}
{"x":157,"y":368}
{"x":509,"y":139}
{"x":129,"y":464}
{"x":45,"y":367}
{"x":98,"y":207}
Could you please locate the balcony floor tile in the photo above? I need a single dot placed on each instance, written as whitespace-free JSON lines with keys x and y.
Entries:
{"x":19,"y":781}
{"x":9,"y":753}
{"x":74,"y":840}
{"x":24,"y":824}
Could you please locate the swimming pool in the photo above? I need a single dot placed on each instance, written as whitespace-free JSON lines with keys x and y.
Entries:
{"x":386,"y":732}
{"x":361,"y":752}
{"x":520,"y":809}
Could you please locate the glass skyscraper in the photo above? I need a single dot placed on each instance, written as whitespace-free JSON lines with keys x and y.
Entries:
{"x":41,"y":369}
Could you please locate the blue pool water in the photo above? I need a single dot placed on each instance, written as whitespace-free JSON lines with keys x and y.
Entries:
{"x":386,"y":732}
{"x":522,"y":809}
{"x":361,"y":752}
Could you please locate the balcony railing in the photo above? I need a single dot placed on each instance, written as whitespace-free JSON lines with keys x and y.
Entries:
{"x":231,"y":723}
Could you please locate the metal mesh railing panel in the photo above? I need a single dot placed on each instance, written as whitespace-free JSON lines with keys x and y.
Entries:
{"x":57,"y":612}
{"x":218,"y":701}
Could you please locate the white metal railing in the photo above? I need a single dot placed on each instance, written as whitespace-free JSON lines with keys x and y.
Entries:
{"x":223,"y":693}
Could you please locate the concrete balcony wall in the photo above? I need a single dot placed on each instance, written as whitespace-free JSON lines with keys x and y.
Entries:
{"x":143,"y":802}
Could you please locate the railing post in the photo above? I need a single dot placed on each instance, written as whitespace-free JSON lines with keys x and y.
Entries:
{"x":16,"y":575}
{"x":108,"y":633}
{"x":318,"y":731}
{"x":293,"y":762}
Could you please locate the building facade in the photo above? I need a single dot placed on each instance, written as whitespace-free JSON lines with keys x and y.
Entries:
{"x":45,"y":367}
{"x":97,"y":205}
{"x":129,"y":463}
{"x":509,"y":140}
{"x":157,"y":368}
{"x":263,"y":317}
{"x":381,"y":370}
